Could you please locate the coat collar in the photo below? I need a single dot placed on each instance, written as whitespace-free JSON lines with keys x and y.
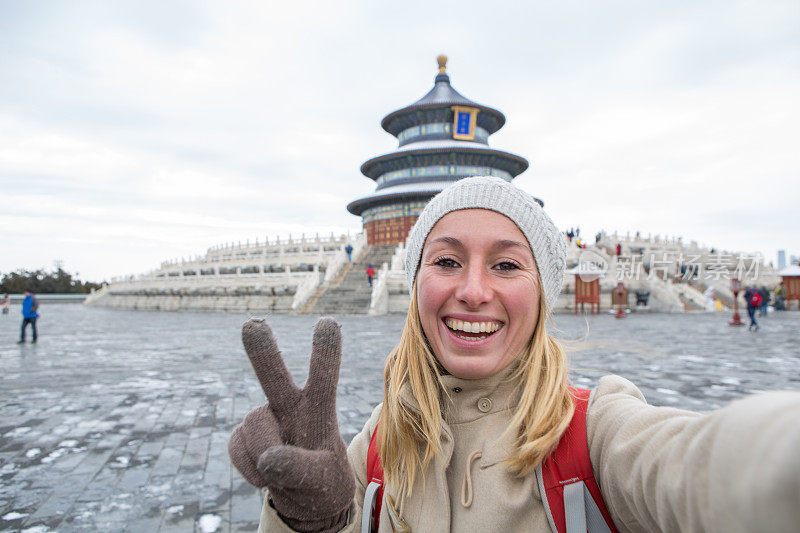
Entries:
{"x":467,"y":400}
{"x":461,"y":398}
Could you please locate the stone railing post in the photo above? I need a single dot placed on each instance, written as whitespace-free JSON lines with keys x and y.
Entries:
{"x":379,"y":302}
{"x":399,"y":257}
{"x":304,"y":290}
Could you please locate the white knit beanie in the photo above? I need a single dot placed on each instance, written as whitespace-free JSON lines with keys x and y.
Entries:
{"x":496,"y":194}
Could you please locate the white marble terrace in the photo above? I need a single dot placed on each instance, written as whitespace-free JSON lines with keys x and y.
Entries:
{"x":276,"y":276}
{"x":281,"y":275}
{"x":647,"y":263}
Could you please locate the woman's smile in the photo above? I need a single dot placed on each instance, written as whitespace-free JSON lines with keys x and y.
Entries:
{"x":472,"y":330}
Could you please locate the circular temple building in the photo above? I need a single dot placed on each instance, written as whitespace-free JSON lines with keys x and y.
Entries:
{"x":442,"y":137}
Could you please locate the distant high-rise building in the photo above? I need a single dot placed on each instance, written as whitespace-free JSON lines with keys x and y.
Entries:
{"x":781,"y":259}
{"x":442,"y":137}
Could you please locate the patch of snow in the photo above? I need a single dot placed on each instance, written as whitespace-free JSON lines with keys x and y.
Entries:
{"x":36,"y":529}
{"x":120,"y":505}
{"x":52,"y":456}
{"x":16,"y":432}
{"x":209,"y":523}
{"x":33,"y":452}
{"x":175,"y":509}
{"x":121,"y":462}
{"x":666,"y":391}
{"x":13,"y":515}
{"x":164,"y":487}
{"x":68,"y":443}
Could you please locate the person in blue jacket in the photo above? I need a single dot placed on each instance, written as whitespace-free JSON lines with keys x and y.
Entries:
{"x":30,"y":307}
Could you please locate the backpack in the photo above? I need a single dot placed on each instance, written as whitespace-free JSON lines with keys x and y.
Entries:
{"x":570,"y":494}
{"x":755,"y":299}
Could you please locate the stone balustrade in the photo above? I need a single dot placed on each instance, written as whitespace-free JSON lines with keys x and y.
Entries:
{"x":338,"y":261}
{"x":253,"y":282}
{"x":298,"y":255}
{"x":276,"y":276}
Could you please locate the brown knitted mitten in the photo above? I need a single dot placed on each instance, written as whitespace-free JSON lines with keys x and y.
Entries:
{"x":292,"y":444}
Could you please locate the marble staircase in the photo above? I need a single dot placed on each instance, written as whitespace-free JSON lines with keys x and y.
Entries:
{"x":352,"y":295}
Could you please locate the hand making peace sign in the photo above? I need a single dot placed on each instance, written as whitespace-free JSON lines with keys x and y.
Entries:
{"x":292,"y":444}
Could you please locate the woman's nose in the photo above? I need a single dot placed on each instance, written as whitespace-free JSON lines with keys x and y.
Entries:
{"x":474,"y":288}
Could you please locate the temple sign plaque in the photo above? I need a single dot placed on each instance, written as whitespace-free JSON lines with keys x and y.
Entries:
{"x":464,"y":119}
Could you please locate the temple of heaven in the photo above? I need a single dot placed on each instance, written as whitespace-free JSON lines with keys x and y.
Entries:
{"x":442,"y":137}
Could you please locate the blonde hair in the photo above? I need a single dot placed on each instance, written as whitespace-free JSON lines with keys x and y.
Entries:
{"x":409,"y":438}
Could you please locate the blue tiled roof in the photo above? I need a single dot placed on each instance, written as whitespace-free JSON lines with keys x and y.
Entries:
{"x":442,"y":95}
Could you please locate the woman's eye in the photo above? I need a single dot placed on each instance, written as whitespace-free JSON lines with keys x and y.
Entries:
{"x":506,"y":265}
{"x":446,"y":262}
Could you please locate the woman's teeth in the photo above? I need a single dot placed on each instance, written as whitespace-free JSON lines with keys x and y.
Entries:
{"x":460,"y":327}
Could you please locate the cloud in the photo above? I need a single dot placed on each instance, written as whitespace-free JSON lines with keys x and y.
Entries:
{"x":134,"y":132}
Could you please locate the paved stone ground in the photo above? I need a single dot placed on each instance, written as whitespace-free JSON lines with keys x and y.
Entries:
{"x":119,"y":420}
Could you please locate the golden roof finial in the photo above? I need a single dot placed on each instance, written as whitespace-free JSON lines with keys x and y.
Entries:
{"x":442,"y":60}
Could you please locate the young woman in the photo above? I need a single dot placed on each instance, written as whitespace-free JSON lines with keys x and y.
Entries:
{"x":477,"y":400}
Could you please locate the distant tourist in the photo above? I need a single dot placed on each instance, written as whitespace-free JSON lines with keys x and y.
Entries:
{"x":619,"y":249}
{"x":479,"y":412}
{"x":349,"y":250}
{"x":765,"y":298}
{"x":780,"y":293}
{"x":5,"y":303}
{"x":370,"y":274}
{"x":753,"y":298}
{"x":30,"y":307}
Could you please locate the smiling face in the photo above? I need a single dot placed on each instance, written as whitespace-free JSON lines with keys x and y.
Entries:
{"x":478,"y":292}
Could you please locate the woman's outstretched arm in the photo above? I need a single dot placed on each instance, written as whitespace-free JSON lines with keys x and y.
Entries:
{"x":665,"y":469}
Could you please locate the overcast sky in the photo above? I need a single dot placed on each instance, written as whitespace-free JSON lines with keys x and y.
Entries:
{"x":133,"y":132}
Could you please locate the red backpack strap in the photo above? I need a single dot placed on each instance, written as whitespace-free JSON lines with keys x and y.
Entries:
{"x":564,"y":470}
{"x":374,"y":493}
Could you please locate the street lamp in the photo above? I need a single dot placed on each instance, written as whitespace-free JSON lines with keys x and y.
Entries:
{"x":736,"y":286}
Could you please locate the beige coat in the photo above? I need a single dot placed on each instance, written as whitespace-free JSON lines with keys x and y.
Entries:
{"x":660,"y":469}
